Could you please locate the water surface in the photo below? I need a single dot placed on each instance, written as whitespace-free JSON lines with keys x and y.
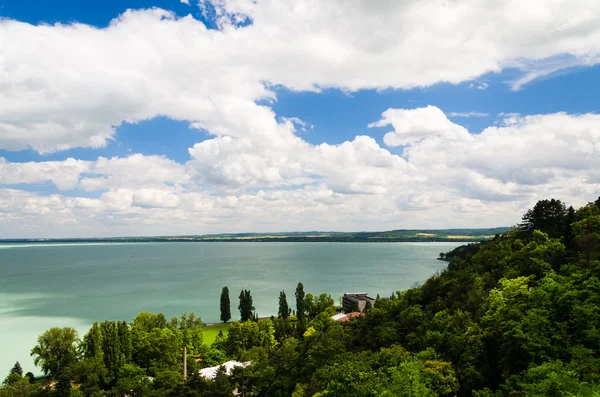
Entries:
{"x":42,"y":286}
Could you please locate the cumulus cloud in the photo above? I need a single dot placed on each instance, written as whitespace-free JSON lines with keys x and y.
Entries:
{"x":444,"y":176}
{"x":71,"y":85}
{"x":133,"y":171}
{"x":412,"y":125}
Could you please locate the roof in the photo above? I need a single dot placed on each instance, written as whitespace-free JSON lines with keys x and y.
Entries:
{"x":211,"y":372}
{"x":341,"y":317}
{"x":338,"y":316}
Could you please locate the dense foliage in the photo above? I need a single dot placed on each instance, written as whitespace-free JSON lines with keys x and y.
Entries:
{"x":518,"y":315}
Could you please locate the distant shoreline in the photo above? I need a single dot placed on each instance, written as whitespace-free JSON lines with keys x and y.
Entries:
{"x":250,"y":240}
{"x":393,"y":236}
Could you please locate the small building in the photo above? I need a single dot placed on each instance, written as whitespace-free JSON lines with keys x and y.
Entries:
{"x":356,"y":302}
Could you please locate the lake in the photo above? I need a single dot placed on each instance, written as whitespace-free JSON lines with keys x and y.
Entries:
{"x":48,"y":285}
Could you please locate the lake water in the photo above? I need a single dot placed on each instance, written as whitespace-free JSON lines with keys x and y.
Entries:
{"x":43,"y":286}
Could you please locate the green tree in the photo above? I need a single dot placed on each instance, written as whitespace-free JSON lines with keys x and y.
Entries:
{"x":300,"y":310}
{"x":190,"y":332}
{"x":30,"y":376}
{"x":133,"y":381}
{"x":90,"y":373}
{"x":284,"y":310}
{"x":56,"y":350}
{"x":246,"y":306}
{"x":22,"y":388}
{"x":16,"y":369}
{"x":225,"y":305}
{"x":92,"y":342}
{"x":547,"y":216}
{"x":63,"y":386}
{"x":111,"y":348}
{"x":125,"y":340}
{"x":15,"y":375}
{"x":242,"y":335}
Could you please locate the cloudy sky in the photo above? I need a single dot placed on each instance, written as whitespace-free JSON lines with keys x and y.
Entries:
{"x":139,"y":117}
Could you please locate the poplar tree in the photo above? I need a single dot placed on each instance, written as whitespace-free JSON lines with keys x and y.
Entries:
{"x":225,"y":305}
{"x":125,"y":340}
{"x":284,"y":310}
{"x":92,"y":342}
{"x":246,"y":308}
{"x":300,"y":309}
{"x":111,"y":347}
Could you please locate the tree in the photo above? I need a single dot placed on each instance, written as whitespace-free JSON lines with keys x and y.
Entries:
{"x":15,"y":375}
{"x":22,"y":388}
{"x":30,"y":376}
{"x":90,"y":373}
{"x":569,"y":220}
{"x":225,"y":305}
{"x":246,"y":307}
{"x":56,"y":350}
{"x":111,"y":349}
{"x":16,"y":369}
{"x":284,"y":310}
{"x":92,"y":342}
{"x":547,"y":216}
{"x":63,"y":386}
{"x":125,"y":340}
{"x":300,"y":309}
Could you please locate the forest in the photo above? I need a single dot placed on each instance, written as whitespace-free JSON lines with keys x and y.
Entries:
{"x":516,"y":315}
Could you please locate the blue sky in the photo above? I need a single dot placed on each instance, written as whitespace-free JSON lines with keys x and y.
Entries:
{"x":197,"y":118}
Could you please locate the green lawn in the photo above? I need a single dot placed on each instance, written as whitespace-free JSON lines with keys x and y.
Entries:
{"x":211,"y":332}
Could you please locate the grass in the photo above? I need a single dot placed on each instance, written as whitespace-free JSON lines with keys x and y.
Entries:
{"x":211,"y":332}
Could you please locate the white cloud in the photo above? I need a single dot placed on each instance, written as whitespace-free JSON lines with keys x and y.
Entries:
{"x":66,"y":86}
{"x":484,"y":86}
{"x":153,"y":198}
{"x":185,"y":2}
{"x":445,"y":177}
{"x":132,"y":171}
{"x":412,"y":125}
{"x":69,"y":86}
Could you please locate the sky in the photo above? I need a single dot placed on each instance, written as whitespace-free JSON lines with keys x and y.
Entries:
{"x":168,"y":117}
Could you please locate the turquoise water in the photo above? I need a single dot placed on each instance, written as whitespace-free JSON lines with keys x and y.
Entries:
{"x":42,"y":286}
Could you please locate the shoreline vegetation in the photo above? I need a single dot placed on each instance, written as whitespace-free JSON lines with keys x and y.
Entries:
{"x":393,"y":236}
{"x":515,"y":315}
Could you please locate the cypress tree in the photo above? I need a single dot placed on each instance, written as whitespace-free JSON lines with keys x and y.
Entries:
{"x":300,"y":309}
{"x":284,"y":310}
{"x":225,"y":305}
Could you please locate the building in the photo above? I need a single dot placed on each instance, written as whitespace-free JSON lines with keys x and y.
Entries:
{"x":356,"y":302}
